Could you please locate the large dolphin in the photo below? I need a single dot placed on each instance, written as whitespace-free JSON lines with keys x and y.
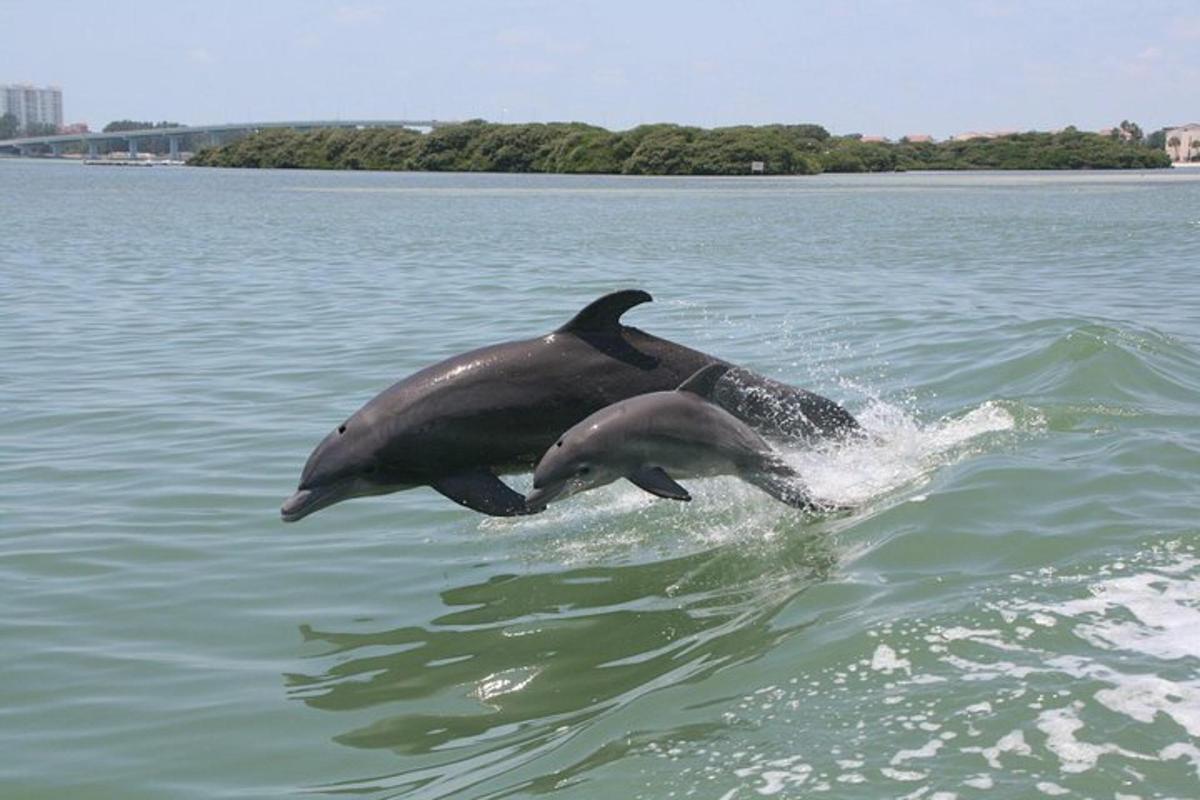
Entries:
{"x":458,"y":423}
{"x":654,"y":438}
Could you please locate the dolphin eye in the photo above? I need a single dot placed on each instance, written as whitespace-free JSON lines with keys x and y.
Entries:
{"x":341,"y":428}
{"x":370,"y":469}
{"x":584,"y":470}
{"x":559,"y":443}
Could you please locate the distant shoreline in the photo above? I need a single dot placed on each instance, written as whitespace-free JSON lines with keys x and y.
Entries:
{"x":1129,"y":172}
{"x":574,"y":148}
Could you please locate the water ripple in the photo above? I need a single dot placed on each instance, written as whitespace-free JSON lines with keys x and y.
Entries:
{"x":1006,"y":607}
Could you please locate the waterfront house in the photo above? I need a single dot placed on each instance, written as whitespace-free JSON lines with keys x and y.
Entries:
{"x":1183,"y":143}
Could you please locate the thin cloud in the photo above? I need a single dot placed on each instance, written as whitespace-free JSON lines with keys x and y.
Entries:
{"x":992,"y":9}
{"x":610,"y":78}
{"x":517,"y":37}
{"x":1187,"y":28}
{"x":307,"y":41}
{"x":200,"y":55}
{"x":532,"y":39}
{"x":358,"y":13}
{"x":1144,"y":64}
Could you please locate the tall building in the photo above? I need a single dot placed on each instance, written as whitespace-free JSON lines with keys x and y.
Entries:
{"x":31,"y":104}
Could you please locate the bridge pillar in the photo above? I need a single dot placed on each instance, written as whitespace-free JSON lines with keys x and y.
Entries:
{"x":133,"y":148}
{"x":93,"y":149}
{"x":23,"y":150}
{"x":173,"y":142}
{"x":56,"y":149}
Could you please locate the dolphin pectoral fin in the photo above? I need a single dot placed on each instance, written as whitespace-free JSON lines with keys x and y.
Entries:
{"x":603,"y":315}
{"x":480,"y":490}
{"x":656,"y":481}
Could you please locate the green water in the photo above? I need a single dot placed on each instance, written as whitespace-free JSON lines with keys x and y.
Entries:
{"x":1012,"y":608}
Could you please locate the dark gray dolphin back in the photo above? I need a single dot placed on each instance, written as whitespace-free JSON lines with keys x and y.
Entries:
{"x":779,"y":411}
{"x":774,"y":409}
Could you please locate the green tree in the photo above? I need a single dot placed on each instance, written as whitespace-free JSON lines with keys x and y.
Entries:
{"x":40,"y":129}
{"x":660,"y":150}
{"x":1174,"y":143}
{"x":149,"y":144}
{"x":665,"y":149}
{"x":809,"y":131}
{"x":9,"y":125}
{"x":1131,"y":131}
{"x":116,"y":126}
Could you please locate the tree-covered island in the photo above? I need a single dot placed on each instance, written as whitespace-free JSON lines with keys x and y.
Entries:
{"x":479,"y":146}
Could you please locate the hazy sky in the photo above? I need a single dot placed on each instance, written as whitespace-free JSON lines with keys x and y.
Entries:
{"x":872,"y":67}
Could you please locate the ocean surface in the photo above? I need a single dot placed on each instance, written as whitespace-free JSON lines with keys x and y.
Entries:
{"x":1010,"y":609}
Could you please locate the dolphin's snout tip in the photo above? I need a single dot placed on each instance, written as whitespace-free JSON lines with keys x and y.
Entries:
{"x":541,"y":496}
{"x":293,"y":508}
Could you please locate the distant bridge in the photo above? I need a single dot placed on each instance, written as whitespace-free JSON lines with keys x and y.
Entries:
{"x":29,"y":145}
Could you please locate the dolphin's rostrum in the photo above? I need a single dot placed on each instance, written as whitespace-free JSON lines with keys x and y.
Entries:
{"x":654,"y":438}
{"x":457,"y":424}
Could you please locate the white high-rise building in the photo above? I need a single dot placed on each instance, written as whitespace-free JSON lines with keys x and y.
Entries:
{"x":32,"y":104}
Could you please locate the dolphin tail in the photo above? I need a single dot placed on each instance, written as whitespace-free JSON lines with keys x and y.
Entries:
{"x":779,"y":411}
{"x":785,"y":484}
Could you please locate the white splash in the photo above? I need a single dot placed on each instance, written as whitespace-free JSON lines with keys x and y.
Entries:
{"x":502,"y":683}
{"x":929,"y":750}
{"x":1108,"y":654}
{"x":899,"y":451}
{"x":777,"y":774}
{"x":1012,"y":742}
{"x":1166,"y":616}
{"x":1051,"y":789}
{"x":1060,"y":726}
{"x":886,"y":661}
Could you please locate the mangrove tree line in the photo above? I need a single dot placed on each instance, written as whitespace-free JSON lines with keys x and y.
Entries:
{"x":664,"y":149}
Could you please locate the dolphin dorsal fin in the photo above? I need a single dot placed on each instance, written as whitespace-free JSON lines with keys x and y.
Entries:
{"x":604,"y":314}
{"x":704,"y":379}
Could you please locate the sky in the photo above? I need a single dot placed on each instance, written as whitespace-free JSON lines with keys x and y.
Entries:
{"x":878,"y":68}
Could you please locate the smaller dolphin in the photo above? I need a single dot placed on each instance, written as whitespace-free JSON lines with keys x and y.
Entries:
{"x":651,"y":437}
